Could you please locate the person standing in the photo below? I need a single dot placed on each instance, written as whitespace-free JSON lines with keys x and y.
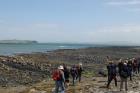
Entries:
{"x":130,"y":67}
{"x":138,"y":59}
{"x":112,"y":71}
{"x":58,"y":77}
{"x":124,"y":73}
{"x":120,"y":66}
{"x":135,"y":66}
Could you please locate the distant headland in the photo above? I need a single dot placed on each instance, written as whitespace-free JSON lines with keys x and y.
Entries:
{"x":17,"y":42}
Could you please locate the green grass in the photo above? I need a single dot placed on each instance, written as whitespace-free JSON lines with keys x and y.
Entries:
{"x":88,"y":74}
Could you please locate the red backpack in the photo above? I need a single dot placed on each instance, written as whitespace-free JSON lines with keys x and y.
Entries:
{"x":56,"y":75}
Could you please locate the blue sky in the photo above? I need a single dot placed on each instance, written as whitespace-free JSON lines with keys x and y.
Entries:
{"x":70,"y":20}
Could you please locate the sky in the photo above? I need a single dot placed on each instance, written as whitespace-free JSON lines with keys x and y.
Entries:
{"x":72,"y":21}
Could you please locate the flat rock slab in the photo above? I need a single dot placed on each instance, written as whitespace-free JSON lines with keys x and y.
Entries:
{"x":17,"y":89}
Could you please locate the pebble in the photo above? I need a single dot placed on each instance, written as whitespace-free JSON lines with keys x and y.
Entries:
{"x":91,"y":90}
{"x":93,"y":79}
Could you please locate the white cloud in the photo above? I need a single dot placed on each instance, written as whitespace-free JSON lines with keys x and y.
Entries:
{"x":61,"y":33}
{"x":126,"y":32}
{"x":35,"y":31}
{"x":32,"y":27}
{"x":129,"y":5}
{"x":122,"y":28}
{"x":124,"y":2}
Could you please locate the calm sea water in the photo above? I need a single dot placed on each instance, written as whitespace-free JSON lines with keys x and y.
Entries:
{"x":10,"y":49}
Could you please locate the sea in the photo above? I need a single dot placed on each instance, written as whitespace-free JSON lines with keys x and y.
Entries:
{"x":12,"y":49}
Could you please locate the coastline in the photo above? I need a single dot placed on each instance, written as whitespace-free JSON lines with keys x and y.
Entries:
{"x":29,"y":69}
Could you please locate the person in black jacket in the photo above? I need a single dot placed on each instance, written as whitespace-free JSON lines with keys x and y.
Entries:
{"x":79,"y":71}
{"x":66,"y":75}
{"x":135,"y":66}
{"x":120,"y":66}
{"x":130,"y":67}
{"x":74,"y":73}
{"x":112,"y":71}
{"x":124,"y":73}
{"x":138,"y":59}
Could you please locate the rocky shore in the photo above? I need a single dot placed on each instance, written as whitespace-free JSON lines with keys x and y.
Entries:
{"x":18,"y":70}
{"x":29,"y":69}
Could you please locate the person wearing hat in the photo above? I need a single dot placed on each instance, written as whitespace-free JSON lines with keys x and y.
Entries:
{"x":79,"y":71}
{"x":59,"y":83}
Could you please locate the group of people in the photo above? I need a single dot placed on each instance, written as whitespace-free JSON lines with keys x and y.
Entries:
{"x":62,"y":74}
{"x":124,"y":69}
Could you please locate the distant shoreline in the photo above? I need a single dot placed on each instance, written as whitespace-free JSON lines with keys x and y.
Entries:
{"x":78,"y":49}
{"x":10,"y":49}
{"x":17,"y":42}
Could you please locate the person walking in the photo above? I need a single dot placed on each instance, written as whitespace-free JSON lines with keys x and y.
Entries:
{"x":58,"y":77}
{"x":79,"y":71}
{"x":124,"y":73}
{"x":112,"y":71}
{"x":74,"y":74}
{"x":66,"y":75}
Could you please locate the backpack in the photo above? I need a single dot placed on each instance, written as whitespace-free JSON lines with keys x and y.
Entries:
{"x":56,"y":75}
{"x":124,"y":72}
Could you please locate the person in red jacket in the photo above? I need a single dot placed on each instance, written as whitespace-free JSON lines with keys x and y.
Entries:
{"x":59,"y":78}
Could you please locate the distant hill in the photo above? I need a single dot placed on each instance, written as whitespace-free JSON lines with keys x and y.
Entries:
{"x":17,"y":41}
